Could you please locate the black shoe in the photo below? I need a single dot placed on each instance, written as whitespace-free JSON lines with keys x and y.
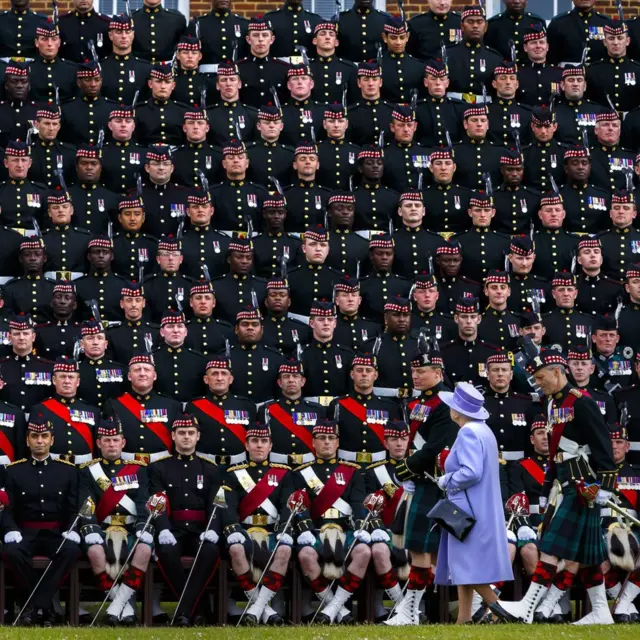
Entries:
{"x":85,"y":618}
{"x":538,"y":617}
{"x":275,"y":621}
{"x":160,"y":619}
{"x":634,"y":618}
{"x":128,"y":621}
{"x":249,"y":620}
{"x":199,"y":621}
{"x":181,"y":621}
{"x":422,"y":618}
{"x":322,"y":618}
{"x":556,"y":618}
{"x":503,"y":614}
{"x":479,"y":615}
{"x":346,"y":620}
{"x":110,"y":620}
{"x":28,"y":618}
{"x":48,"y":618}
{"x":621,"y":618}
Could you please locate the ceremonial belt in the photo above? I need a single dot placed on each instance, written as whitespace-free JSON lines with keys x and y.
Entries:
{"x":295,"y":459}
{"x":189,"y":515}
{"x":393,"y":392}
{"x":331,"y":491}
{"x":362,"y":457}
{"x":512,"y":456}
{"x":159,"y":429}
{"x":360,"y":412}
{"x":469,"y":98}
{"x":112,"y":498}
{"x":143,"y":457}
{"x":259,"y":494}
{"x":225,"y":459}
{"x":5,"y":460}
{"x":286,"y":420}
{"x":73,"y":459}
{"x":216,"y":413}
{"x":325,"y":401}
{"x":65,"y":414}
{"x":607,"y":512}
{"x":41,"y":525}
{"x":571,"y":450}
{"x":63,"y":275}
{"x":533,"y":470}
{"x":7,"y":447}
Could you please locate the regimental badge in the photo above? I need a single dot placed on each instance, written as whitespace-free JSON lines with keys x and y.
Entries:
{"x":375,"y":416}
{"x":154,"y":415}
{"x":252,"y":200}
{"x":103,"y":483}
{"x":37,"y":378}
{"x":420,"y":412}
{"x":236,"y":416}
{"x":86,"y":417}
{"x":627,"y":352}
{"x":7,"y":419}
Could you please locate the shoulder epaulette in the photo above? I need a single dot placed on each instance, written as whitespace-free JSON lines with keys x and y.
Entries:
{"x":16,"y":462}
{"x":203,"y":457}
{"x":142,"y":463}
{"x":304,"y":466}
{"x":349,"y":464}
{"x":376,"y":464}
{"x":237,"y":467}
{"x":64,"y":462}
{"x":281,"y":466}
{"x":576,"y":393}
{"x":88,"y":463}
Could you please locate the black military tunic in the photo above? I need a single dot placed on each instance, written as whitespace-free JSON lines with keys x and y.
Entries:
{"x":128,"y":336}
{"x":105,"y":288}
{"x":83,"y":118}
{"x":377,"y":288}
{"x":255,"y":371}
{"x":208,"y":335}
{"x":337,"y":163}
{"x":541,"y":160}
{"x":50,"y":156}
{"x":291,"y":25}
{"x":613,"y":370}
{"x":523,"y":290}
{"x":77,"y":29}
{"x":631,"y":129}
{"x":45,"y":75}
{"x":473,"y":159}
{"x":330,"y":75}
{"x":328,"y":364}
{"x":285,"y":334}
{"x":18,"y":33}
{"x":367,"y":118}
{"x":403,"y":164}
{"x":629,"y":397}
{"x":93,"y":206}
{"x":617,"y":78}
{"x":533,"y":470}
{"x":123,"y":75}
{"x":219,"y":31}
{"x":121,"y":164}
{"x":70,"y":440}
{"x":537,"y":82}
{"x":452,"y":288}
{"x":447,"y":206}
{"x":194,"y":157}
{"x":510,"y":416}
{"x":437,"y":325}
{"x":269,"y":249}
{"x":21,"y":200}
{"x":436,"y":117}
{"x":180,"y":371}
{"x":515,"y":208}
{"x":15,"y":120}
{"x":587,"y":208}
{"x":471,"y":65}
{"x":567,"y":328}
{"x":164,"y":205}
{"x":13,"y":434}
{"x":223,"y":421}
{"x":628,"y":326}
{"x":508,"y":26}
{"x":258,"y":75}
{"x":395,"y":360}
{"x":574,"y":115}
{"x":190,"y":84}
{"x":57,"y":338}
{"x":202,"y":245}
{"x":66,"y":248}
{"x":225,"y":117}
{"x":482,"y":250}
{"x":500,"y":328}
{"x":597,"y":295}
{"x":413,"y":247}
{"x":359,"y":32}
{"x":27,"y":380}
{"x":299,"y":119}
{"x":160,"y":122}
{"x":428,"y":29}
{"x":347,"y":249}
{"x":604,"y":401}
{"x":10,"y":241}
{"x":402,"y":73}
{"x":569,"y":33}
{"x":311,"y":282}
{"x":465,"y":360}
{"x":233,"y":201}
{"x":101,"y":379}
{"x":128,"y":248}
{"x":607,"y":166}
{"x":157,"y":32}
{"x":161,"y":290}
{"x":28,"y":293}
{"x":233,"y":293}
{"x":619,"y":248}
{"x":353,"y":331}
{"x":554,"y":251}
{"x":269,"y":159}
{"x":507,"y":117}
{"x":375,"y":206}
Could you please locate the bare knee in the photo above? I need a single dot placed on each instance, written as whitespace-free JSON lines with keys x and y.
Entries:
{"x":380,"y":552}
{"x":308,"y":559}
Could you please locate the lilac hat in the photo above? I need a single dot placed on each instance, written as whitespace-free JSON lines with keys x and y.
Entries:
{"x":467,"y":400}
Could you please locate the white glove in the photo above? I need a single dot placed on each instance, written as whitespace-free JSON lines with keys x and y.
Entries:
{"x":72,"y":536}
{"x":145,"y":537}
{"x":285,"y":539}
{"x":93,"y":538}
{"x":409,"y":486}
{"x":362,"y":536}
{"x":12,"y":536}
{"x":210,"y":536}
{"x":236,"y":538}
{"x":306,"y":539}
{"x":511,"y":537}
{"x":442,"y":482}
{"x":526,"y":533}
{"x":380,"y":535}
{"x":543,"y":502}
{"x":603,"y":496}
{"x":166,"y":537}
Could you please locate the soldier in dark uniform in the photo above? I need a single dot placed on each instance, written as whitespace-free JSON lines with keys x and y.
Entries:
{"x":330,"y":362}
{"x":425,"y":295}
{"x":59,"y":335}
{"x":629,"y":316}
{"x":190,"y":82}
{"x":230,"y":119}
{"x":254,"y":364}
{"x":48,"y":154}
{"x":48,"y":71}
{"x":336,"y":154}
{"x":20,"y":199}
{"x":515,"y":204}
{"x":554,"y":245}
{"x":13,"y":434}
{"x":16,"y":112}
{"x":631,"y":129}
{"x":258,"y":494}
{"x":192,"y":483}
{"x":267,"y":156}
{"x":260,"y":70}
{"x":159,"y":120}
{"x":331,"y":74}
{"x":196,"y":154}
{"x":222,"y":416}
{"x":18,"y":30}
{"x":157,"y":31}
{"x":352,"y":330}
{"x":292,"y":26}
{"x":180,"y":367}
{"x":124,"y":75}
{"x":86,"y":115}
{"x":438,"y":114}
{"x":362,"y":415}
{"x":221,"y":31}
{"x":465,"y":356}
{"x":375,"y":203}
{"x":370,"y":115}
{"x":27,"y":377}
{"x":100,"y":377}
{"x":597,"y":294}
{"x":535,"y":466}
{"x":537,"y":79}
{"x":145,"y":414}
{"x":235,"y":199}
{"x":301,"y":115}
{"x":621,"y":244}
{"x":428,"y":29}
{"x":450,"y":283}
{"x":565,"y":325}
{"x":499,"y":324}
{"x":129,"y":336}
{"x":168,"y":284}
{"x":614,"y":362}
{"x":586,"y":205}
{"x":43,"y":502}
{"x":120,"y":490}
{"x":100,"y":283}
{"x":402,"y":72}
{"x":346,"y":249}
{"x":525,"y":286}
{"x":10,"y":264}
{"x":291,"y":418}
{"x":360,"y":30}
{"x":206,"y":334}
{"x":280,"y":331}
{"x":79,"y":27}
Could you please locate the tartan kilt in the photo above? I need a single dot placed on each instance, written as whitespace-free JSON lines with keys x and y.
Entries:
{"x":421,"y":534}
{"x":574,"y":533}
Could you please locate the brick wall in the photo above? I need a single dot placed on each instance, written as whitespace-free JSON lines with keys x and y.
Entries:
{"x":249,"y":8}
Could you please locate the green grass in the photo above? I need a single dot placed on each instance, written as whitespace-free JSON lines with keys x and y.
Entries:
{"x":430,"y":632}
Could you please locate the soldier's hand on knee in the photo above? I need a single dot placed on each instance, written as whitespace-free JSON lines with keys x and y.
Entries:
{"x":72,"y":536}
{"x":285,"y":539}
{"x":210,"y":536}
{"x":145,"y":537}
{"x":93,"y":538}
{"x":362,"y":536}
{"x":12,"y":537}
{"x":306,"y":539}
{"x":166,"y":537}
{"x":236,"y":538}
{"x":379,"y":535}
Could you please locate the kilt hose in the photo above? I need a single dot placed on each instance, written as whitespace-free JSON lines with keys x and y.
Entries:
{"x":574,"y":532}
{"x":421,"y":534}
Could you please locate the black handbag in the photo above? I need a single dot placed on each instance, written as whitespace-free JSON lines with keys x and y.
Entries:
{"x":452,"y":518}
